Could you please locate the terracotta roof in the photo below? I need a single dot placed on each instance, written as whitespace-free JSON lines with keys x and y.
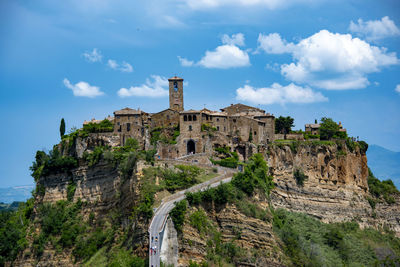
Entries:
{"x":242,"y":105}
{"x":164,"y":111}
{"x":175,"y":78}
{"x":128,"y":111}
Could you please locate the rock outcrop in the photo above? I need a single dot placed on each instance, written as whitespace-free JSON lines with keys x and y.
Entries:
{"x":336,"y":189}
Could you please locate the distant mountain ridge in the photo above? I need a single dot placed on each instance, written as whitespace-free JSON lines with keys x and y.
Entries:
{"x":16,"y":193}
{"x":384,"y":163}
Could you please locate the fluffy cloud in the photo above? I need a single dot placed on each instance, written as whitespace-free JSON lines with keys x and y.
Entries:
{"x":375,"y":29}
{"x":397,"y":89}
{"x":83,"y":89}
{"x":278,"y":94}
{"x":226,"y":56}
{"x":154,"y":87}
{"x":328,"y":60}
{"x":270,"y":4}
{"x":93,"y":56}
{"x":274,"y":44}
{"x":124,"y":66}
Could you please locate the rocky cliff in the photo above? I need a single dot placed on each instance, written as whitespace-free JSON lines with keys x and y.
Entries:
{"x":336,"y":187}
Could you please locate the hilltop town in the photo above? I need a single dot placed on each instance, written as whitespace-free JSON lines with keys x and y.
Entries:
{"x":237,"y":126}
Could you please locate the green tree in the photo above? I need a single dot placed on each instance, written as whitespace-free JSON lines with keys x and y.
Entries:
{"x":284,"y":125}
{"x":62,"y":128}
{"x":330,"y":129}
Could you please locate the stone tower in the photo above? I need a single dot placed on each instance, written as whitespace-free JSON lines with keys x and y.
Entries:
{"x":176,"y":93}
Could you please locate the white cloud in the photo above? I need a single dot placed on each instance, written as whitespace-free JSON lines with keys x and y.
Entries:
{"x":331,"y":61}
{"x":152,"y":88}
{"x":269,"y":4}
{"x":278,"y":94}
{"x":185,"y":62}
{"x":123,"y":67}
{"x":375,"y":29}
{"x":397,"y":89}
{"x":93,"y":56}
{"x":273,"y":44}
{"x":235,"y":39}
{"x":83,"y":89}
{"x":226,"y":56}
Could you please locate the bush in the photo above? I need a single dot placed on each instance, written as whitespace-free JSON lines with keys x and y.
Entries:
{"x":177,"y":215}
{"x":199,"y":220}
{"x":385,"y":189}
{"x":255,"y":175}
{"x":71,"y":190}
{"x":52,"y":163}
{"x":299,"y":176}
{"x":101,"y":127}
{"x":125,"y":258}
{"x":184,"y":177}
{"x":309,"y":242}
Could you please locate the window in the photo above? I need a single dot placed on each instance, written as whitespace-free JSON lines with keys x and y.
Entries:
{"x":255,"y":133}
{"x":184,"y":118}
{"x":167,"y":117}
{"x":206,"y":117}
{"x":119,"y":129}
{"x":118,"y":123}
{"x":234,"y":120}
{"x":217,"y":128}
{"x":217,"y":119}
{"x":190,"y":127}
{"x":224,"y":129}
{"x":194,"y":118}
{"x":190,"y":118}
{"x":128,"y":126}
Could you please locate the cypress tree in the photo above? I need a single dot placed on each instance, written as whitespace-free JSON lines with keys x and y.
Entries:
{"x":62,"y":128}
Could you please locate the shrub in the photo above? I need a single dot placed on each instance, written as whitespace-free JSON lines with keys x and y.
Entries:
{"x":255,"y":175}
{"x":299,"y":176}
{"x":101,"y":127}
{"x":71,"y":190}
{"x":383,"y":189}
{"x":199,"y":220}
{"x":177,"y":215}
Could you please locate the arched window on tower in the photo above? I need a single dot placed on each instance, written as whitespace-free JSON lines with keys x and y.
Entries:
{"x":184,"y":118}
{"x":194,"y":118}
{"x":190,"y":127}
{"x":190,"y":117}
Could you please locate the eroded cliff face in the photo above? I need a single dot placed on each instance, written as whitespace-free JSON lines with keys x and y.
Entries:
{"x":253,"y":236}
{"x":336,"y":189}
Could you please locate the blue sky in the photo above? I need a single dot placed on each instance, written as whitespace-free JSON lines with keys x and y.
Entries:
{"x":85,"y":59}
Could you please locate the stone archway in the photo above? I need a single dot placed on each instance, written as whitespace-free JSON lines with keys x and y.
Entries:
{"x":191,"y":147}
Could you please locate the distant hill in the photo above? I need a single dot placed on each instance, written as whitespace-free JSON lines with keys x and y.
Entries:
{"x":384,"y":163}
{"x":16,"y":193}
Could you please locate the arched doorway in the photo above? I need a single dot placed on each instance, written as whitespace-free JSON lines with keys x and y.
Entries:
{"x":191,"y":147}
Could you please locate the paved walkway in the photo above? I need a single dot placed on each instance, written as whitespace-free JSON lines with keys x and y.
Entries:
{"x":167,"y":204}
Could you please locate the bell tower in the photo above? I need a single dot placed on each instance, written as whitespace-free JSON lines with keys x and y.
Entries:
{"x":176,"y":93}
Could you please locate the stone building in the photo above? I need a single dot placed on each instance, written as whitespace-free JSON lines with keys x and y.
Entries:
{"x":131,"y":123}
{"x":236,"y":126}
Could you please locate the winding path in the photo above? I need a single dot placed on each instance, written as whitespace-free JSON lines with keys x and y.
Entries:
{"x":168,"y":203}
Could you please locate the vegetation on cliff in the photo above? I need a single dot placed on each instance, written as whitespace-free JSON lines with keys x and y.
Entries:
{"x":306,"y":241}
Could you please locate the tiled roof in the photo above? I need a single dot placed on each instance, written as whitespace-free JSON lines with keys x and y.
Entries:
{"x":128,"y":111}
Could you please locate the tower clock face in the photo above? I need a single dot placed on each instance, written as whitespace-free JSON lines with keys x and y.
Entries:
{"x":175,"y":86}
